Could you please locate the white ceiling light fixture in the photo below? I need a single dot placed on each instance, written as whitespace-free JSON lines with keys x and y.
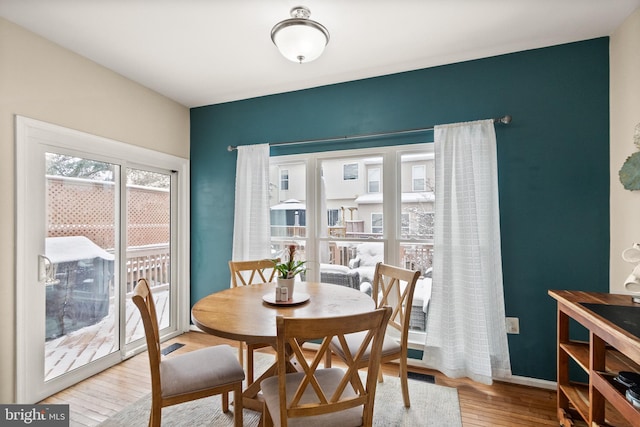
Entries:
{"x":300,"y":39}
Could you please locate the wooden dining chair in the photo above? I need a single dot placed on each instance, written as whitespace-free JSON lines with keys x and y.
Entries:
{"x":190,"y":376}
{"x":313,"y":396}
{"x":245,"y":273}
{"x":394,"y":287}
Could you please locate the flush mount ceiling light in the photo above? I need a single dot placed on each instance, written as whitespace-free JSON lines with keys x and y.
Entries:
{"x":300,"y":39}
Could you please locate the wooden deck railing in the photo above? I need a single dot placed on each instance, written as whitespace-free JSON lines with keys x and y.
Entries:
{"x":151,"y":262}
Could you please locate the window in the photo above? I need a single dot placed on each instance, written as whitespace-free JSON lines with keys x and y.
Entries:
{"x":350,"y":172}
{"x":333,"y":217}
{"x":376,"y":223}
{"x":284,"y":179}
{"x":418,"y":178}
{"x":373,"y":179}
{"x":366,"y":221}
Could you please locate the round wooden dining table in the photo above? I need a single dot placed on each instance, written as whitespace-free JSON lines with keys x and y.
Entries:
{"x":242,"y":314}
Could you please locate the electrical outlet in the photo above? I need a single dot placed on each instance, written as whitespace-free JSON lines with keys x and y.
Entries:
{"x":513,"y":325}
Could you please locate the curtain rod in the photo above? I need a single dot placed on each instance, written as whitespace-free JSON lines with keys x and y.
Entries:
{"x":504,"y":120}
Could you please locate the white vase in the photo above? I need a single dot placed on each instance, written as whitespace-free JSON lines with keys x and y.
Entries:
{"x":287,"y":283}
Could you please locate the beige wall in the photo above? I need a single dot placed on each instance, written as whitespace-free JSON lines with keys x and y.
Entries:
{"x":625,"y":114}
{"x":41,"y":80}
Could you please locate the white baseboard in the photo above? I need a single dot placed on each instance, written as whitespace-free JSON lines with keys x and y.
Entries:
{"x":532,"y":382}
{"x":515,"y":379}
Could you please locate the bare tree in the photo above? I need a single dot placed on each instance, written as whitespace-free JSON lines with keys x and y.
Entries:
{"x":76,"y":167}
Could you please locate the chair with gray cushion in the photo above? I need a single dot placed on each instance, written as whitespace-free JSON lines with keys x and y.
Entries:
{"x":394,"y":287}
{"x":190,"y":376}
{"x":313,"y":396}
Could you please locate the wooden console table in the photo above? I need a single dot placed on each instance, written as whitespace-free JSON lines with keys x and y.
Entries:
{"x":609,"y":350}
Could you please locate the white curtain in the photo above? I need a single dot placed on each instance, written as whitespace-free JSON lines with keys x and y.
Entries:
{"x":466,"y":332}
{"x":252,"y":226}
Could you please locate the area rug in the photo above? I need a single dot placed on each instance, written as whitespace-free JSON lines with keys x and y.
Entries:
{"x":431,"y":406}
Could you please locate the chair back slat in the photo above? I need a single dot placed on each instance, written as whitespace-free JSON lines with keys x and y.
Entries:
{"x":244,"y":273}
{"x":395,"y":287}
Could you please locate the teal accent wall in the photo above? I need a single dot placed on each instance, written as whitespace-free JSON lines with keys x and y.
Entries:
{"x":553,"y":162}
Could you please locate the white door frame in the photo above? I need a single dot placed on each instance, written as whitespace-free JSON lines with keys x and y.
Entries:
{"x":32,"y":138}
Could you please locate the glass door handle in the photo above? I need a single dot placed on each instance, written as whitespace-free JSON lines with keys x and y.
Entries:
{"x":46,"y":271}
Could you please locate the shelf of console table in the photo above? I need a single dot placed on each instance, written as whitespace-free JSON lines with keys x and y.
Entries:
{"x":610,"y":349}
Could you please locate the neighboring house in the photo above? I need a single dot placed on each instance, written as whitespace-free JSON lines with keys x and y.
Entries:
{"x":352,"y":199}
{"x":354,"y":194}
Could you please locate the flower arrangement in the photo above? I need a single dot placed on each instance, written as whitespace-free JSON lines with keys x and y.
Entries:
{"x":290,"y":267}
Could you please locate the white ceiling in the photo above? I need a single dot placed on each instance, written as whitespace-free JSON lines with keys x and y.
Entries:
{"x":201,"y":52}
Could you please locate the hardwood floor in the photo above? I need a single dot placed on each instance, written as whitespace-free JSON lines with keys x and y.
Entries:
{"x":502,"y":404}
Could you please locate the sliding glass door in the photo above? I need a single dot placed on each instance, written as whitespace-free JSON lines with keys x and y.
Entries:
{"x":81,"y":205}
{"x":148,"y":253}
{"x":90,"y":224}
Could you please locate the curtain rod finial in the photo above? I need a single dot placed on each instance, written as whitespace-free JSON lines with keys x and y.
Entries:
{"x":230,"y":148}
{"x":505,"y":120}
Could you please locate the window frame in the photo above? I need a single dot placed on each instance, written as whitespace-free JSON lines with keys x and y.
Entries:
{"x":33,"y":138}
{"x":392,"y":208}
